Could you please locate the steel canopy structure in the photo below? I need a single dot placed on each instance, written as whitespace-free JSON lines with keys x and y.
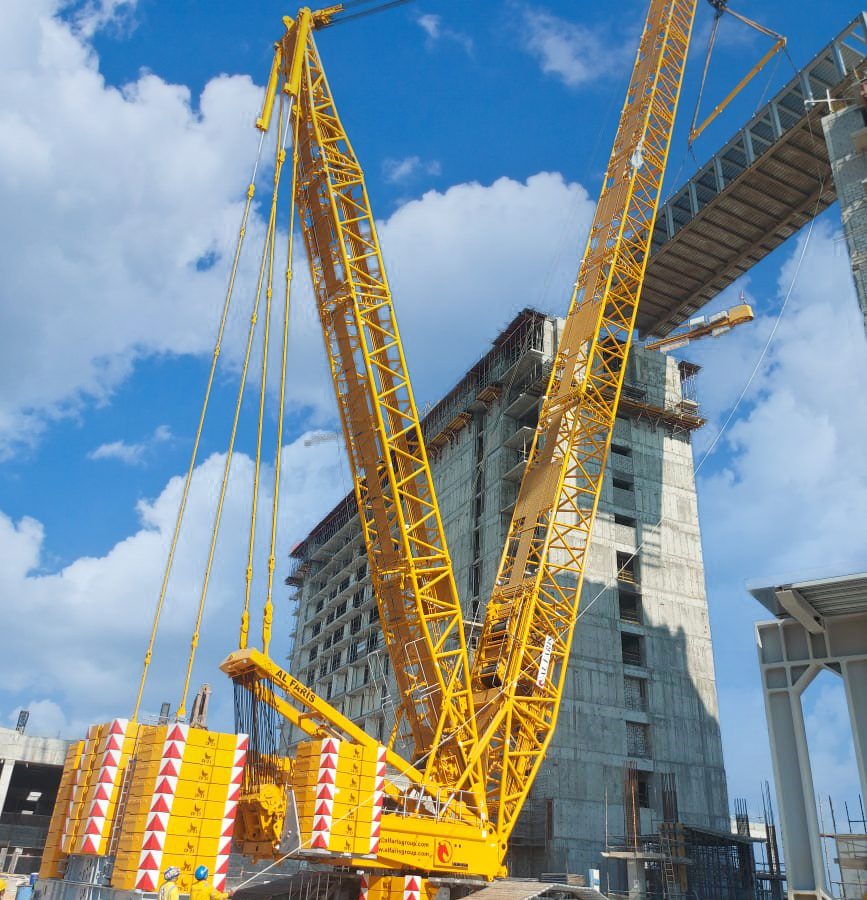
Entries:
{"x":764,"y":185}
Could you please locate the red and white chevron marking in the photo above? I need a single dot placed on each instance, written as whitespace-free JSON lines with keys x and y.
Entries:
{"x":325,"y":788}
{"x":107,"y":782}
{"x":221,"y":868}
{"x":412,"y":887}
{"x":378,"y":794}
{"x":153,"y":842}
{"x":365,"y":886}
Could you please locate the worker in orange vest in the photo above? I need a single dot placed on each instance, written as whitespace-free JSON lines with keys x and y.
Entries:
{"x":203,"y":890}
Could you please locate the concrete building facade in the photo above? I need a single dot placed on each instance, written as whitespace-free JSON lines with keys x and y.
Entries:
{"x":30,"y":770}
{"x":641,"y":688}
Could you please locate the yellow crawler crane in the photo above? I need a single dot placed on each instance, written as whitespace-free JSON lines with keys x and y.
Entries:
{"x":454,"y":809}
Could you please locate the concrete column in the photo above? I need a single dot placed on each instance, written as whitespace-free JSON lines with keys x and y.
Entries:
{"x":846,"y":137}
{"x":794,"y":783}
{"x":855,"y":682}
{"x":5,"y":778}
{"x":637,"y":878}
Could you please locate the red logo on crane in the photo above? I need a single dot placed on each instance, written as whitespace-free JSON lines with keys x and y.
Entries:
{"x":445,"y":851}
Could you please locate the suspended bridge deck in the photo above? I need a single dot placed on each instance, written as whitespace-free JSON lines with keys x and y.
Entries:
{"x":764,"y":185}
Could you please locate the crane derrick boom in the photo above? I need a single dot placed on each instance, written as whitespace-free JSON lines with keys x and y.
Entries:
{"x":526,"y":639}
{"x":410,"y":567}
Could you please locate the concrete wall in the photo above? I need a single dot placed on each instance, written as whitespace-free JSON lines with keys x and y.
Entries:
{"x":580,"y":785}
{"x":27,"y":748}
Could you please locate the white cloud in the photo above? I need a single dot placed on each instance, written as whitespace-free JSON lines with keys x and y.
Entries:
{"x":116,"y":196}
{"x":796,"y":478}
{"x":131,"y":454}
{"x":432,"y":26}
{"x":121,"y":195}
{"x":779,"y":495}
{"x":464,"y":261}
{"x":75,"y":638}
{"x":574,"y":53}
{"x":400,"y":170}
{"x":47,"y":719}
{"x":96,"y":15}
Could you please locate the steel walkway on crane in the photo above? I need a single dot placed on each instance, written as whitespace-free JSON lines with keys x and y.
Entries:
{"x":764,"y":185}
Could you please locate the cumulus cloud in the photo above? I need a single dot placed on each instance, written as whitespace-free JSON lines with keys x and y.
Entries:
{"x":432,"y":25}
{"x":792,"y":476}
{"x":785,"y":482}
{"x":94,"y":615}
{"x":117,"y":194}
{"x":463,"y":261}
{"x":396,"y":171}
{"x":131,"y":454}
{"x":127,"y":207}
{"x":574,"y":53}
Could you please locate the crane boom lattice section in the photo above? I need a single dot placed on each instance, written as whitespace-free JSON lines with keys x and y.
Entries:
{"x":524,"y":649}
{"x":409,"y":563}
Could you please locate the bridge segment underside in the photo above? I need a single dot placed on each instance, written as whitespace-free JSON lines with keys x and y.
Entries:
{"x":764,"y":185}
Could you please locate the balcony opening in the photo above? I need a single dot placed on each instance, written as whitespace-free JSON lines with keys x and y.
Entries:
{"x":635,"y":693}
{"x":627,"y":567}
{"x":630,"y":606}
{"x":631,"y":649}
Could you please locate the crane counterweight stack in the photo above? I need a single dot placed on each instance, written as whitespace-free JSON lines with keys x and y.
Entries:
{"x":175,"y":805}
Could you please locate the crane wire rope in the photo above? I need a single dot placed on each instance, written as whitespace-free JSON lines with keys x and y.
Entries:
{"x":278,"y":455}
{"x":257,"y":462}
{"x":724,"y":427}
{"x":363,"y":14}
{"x":181,"y":711}
{"x":610,"y":583}
{"x":251,"y":189}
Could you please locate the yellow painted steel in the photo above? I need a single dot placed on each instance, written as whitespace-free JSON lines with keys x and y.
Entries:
{"x":519,"y":668}
{"x":526,"y":639}
{"x":704,"y":326}
{"x":779,"y":45}
{"x":409,"y":562}
{"x":316,"y":717}
{"x":452,"y":809}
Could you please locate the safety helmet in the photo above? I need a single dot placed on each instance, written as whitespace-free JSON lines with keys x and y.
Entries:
{"x":201,"y":873}
{"x":172,"y":873}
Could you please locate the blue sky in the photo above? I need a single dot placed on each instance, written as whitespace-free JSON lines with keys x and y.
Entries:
{"x":125,"y":147}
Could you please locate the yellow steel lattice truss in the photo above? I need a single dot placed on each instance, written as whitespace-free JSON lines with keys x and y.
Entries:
{"x":410,"y":568}
{"x":521,"y":661}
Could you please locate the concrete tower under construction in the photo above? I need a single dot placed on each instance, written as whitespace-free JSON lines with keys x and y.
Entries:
{"x":641,"y":692}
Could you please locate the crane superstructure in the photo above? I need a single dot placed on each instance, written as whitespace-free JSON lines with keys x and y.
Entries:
{"x":479,"y":729}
